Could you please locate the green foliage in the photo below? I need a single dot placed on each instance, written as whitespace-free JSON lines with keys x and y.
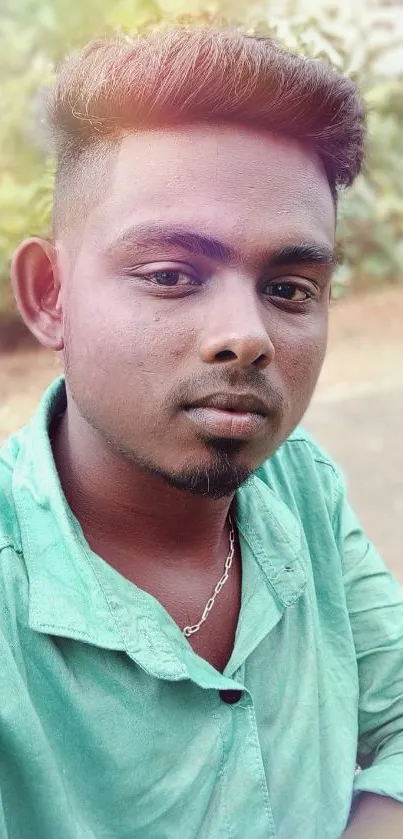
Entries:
{"x":36,"y":34}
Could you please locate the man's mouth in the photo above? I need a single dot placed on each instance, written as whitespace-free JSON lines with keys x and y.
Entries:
{"x":232,"y":415}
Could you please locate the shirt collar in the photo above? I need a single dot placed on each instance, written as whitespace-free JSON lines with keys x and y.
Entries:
{"x":64,"y":597}
{"x":68,"y":593}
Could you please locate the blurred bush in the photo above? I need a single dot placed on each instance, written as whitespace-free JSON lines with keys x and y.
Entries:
{"x":362,"y":39}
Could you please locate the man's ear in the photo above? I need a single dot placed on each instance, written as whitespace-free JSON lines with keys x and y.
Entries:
{"x":36,"y":286}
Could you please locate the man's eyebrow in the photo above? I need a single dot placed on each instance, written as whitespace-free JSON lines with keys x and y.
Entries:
{"x":153,"y":236}
{"x":145,"y":237}
{"x":310,"y":253}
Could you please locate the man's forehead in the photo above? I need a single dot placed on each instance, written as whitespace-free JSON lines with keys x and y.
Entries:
{"x":224,"y":182}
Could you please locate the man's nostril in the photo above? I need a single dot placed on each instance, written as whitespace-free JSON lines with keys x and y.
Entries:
{"x":260,"y":361}
{"x":225,"y":355}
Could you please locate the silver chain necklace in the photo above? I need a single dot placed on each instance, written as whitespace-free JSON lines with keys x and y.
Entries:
{"x":190,"y":630}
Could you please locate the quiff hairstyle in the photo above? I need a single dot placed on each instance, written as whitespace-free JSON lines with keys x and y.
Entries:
{"x":187,"y":75}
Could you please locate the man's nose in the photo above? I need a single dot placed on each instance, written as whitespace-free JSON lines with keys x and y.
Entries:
{"x":237,"y":333}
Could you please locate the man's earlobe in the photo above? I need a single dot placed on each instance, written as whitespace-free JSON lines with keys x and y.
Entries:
{"x":36,"y":285}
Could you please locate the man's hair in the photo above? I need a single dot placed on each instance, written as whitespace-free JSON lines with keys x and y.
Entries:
{"x":187,"y":75}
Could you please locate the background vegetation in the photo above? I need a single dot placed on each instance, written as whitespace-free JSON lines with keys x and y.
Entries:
{"x":364,"y":39}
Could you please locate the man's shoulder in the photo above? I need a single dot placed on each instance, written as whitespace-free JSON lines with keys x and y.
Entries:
{"x":13,"y":574}
{"x":9,"y":525}
{"x":303,"y":472}
{"x":304,"y":446}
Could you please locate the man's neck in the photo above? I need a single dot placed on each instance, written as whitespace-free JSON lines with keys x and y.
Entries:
{"x":124,"y":508}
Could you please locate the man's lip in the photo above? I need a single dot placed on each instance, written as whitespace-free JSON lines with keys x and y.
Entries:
{"x":233,"y":425}
{"x":243,"y":403}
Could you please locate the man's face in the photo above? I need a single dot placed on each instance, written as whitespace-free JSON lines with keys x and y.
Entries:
{"x":202,"y":277}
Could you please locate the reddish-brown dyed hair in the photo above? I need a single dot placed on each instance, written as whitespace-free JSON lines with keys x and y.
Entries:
{"x":188,"y":75}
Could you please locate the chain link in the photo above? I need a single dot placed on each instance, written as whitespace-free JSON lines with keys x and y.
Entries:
{"x":190,"y":630}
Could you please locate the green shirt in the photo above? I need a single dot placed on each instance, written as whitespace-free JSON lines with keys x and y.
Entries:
{"x":111,"y":727}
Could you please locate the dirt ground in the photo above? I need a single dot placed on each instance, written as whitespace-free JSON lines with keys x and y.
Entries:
{"x":356,"y":413}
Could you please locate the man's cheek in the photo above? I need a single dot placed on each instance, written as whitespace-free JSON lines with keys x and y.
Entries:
{"x":300,"y":366}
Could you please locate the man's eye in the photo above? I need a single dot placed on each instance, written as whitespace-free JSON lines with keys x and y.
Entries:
{"x":288,"y":291}
{"x":171,"y":278}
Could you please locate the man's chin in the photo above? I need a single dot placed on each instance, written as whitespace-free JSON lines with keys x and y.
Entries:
{"x":207,"y":482}
{"x":217,"y":476}
{"x":215,"y":469}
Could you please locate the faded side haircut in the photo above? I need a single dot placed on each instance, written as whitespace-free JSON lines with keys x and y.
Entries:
{"x":189,"y":75}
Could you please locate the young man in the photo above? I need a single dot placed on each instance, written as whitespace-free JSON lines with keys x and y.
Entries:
{"x":197,"y":639}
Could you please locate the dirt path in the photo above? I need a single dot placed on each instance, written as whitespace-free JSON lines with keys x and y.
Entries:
{"x":357,"y":411}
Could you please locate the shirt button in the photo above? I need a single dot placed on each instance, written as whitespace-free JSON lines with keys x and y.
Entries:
{"x":230,"y":696}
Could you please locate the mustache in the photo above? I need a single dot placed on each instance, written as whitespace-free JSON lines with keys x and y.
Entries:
{"x":249,"y":381}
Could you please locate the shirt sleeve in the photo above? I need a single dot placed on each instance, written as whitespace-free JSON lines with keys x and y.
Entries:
{"x":375,"y":605}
